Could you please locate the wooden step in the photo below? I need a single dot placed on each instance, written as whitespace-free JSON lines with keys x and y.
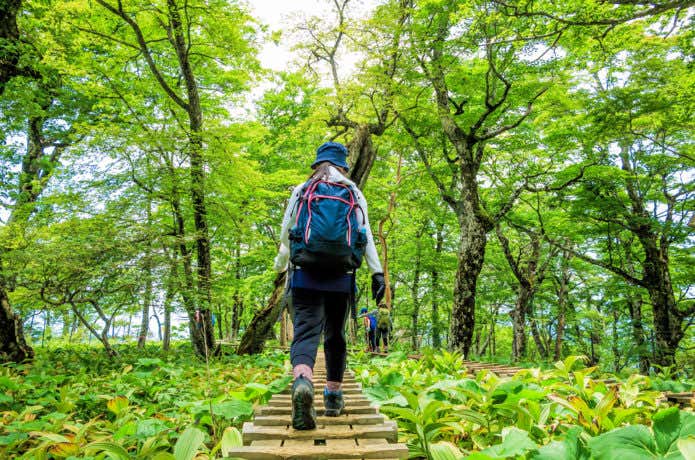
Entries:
{"x":344,"y":419}
{"x":318,"y":391}
{"x":682,"y":399}
{"x":309,"y":450}
{"x":318,"y":388}
{"x":387,"y":430}
{"x":286,"y":398}
{"x":286,"y":409}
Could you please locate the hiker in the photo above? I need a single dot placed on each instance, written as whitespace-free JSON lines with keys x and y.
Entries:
{"x":325,"y":234}
{"x":383,"y":326}
{"x":369,"y":323}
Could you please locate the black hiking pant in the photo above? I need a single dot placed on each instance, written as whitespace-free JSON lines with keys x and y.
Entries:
{"x":316,"y":312}
{"x":371,"y":337}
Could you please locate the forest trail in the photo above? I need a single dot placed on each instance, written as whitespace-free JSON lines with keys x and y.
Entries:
{"x":360,"y":432}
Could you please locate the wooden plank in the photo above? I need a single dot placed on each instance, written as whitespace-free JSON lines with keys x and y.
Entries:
{"x":344,"y":419}
{"x":387,"y":430}
{"x":351,"y":443}
{"x":318,"y":389}
{"x":268,"y":442}
{"x":370,"y":441}
{"x":319,"y":404}
{"x":298,"y":443}
{"x":287,"y":410}
{"x":354,"y":398}
{"x":375,"y":451}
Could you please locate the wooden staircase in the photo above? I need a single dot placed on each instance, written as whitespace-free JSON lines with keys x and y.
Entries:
{"x":360,"y":432}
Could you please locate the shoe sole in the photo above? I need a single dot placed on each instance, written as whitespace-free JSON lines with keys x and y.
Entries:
{"x":306,"y":400}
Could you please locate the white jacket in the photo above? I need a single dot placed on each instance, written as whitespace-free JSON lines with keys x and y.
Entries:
{"x":283,"y":257}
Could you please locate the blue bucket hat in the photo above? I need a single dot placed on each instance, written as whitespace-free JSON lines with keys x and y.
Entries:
{"x":333,"y":152}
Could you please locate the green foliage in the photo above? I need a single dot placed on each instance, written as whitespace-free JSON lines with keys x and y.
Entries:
{"x":561,"y":413}
{"x":146,"y":405}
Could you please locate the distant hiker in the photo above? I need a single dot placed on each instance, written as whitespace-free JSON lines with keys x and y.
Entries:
{"x":198,"y":317}
{"x":369,"y":323}
{"x":325,"y":233}
{"x":383,"y":326}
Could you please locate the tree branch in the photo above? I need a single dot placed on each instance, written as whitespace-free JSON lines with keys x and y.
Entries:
{"x":118,"y":11}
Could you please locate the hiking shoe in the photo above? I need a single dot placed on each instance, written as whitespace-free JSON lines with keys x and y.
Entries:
{"x":333,"y":401}
{"x":303,"y":413}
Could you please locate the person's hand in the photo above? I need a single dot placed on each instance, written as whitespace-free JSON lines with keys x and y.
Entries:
{"x":378,"y":287}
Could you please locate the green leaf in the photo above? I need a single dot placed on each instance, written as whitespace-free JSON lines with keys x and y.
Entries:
{"x":686,"y":446}
{"x":8,"y":384}
{"x":392,"y":379}
{"x":55,"y":437}
{"x":634,"y":441}
{"x":515,"y":442}
{"x":117,"y":405}
{"x":163,"y":456}
{"x":445,"y":451}
{"x":188,"y":444}
{"x":150,"y":427}
{"x":12,"y":438}
{"x":231,"y":438}
{"x":233,"y":408}
{"x":570,"y":448}
{"x":666,"y":427}
{"x":112,"y":450}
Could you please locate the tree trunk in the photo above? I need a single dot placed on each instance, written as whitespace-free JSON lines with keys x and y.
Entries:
{"x":261,"y":326}
{"x":538,"y":339}
{"x":37,"y":167}
{"x":414,"y":291}
{"x":656,"y":276}
{"x":470,"y":256}
{"x":147,"y":269}
{"x":634,"y":304}
{"x":435,"y":320}
{"x":562,"y":288}
{"x":203,"y":338}
{"x":388,"y":297}
{"x":615,"y":348}
{"x":65,"y":331}
{"x":238,"y":305}
{"x":519,"y":323}
{"x":13,"y":347}
{"x":102,"y":336}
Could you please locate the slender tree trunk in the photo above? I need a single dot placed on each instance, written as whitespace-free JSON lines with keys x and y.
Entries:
{"x":168,"y":300}
{"x":493,"y":340}
{"x":615,"y":348}
{"x":414,"y":291}
{"x":435,"y":320}
{"x":238,"y":305}
{"x":388,"y":298}
{"x":519,"y":323}
{"x":66,"y":325}
{"x":562,"y":288}
{"x":147,"y":269}
{"x":538,"y":339}
{"x":102,"y":336}
{"x":634,"y":304}
{"x":261,"y":326}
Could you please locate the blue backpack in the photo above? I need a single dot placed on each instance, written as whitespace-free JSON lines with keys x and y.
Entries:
{"x":372,"y":322}
{"x":328,"y":233}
